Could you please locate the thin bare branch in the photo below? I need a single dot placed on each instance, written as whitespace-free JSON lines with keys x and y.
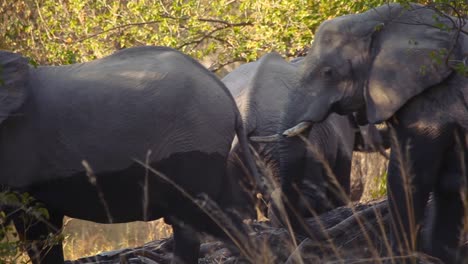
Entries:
{"x":163,"y":16}
{"x":218,"y":66}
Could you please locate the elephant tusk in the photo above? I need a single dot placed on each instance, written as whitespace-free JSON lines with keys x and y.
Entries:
{"x":265,"y":139}
{"x":298,"y":129}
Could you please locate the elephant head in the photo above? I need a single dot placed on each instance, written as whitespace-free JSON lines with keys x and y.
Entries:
{"x":378,"y":64}
{"x":370,"y":64}
{"x":373,"y":63}
{"x":13,"y":69}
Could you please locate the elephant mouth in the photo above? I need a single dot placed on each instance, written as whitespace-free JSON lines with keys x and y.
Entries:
{"x":312,"y":116}
{"x":315,"y":116}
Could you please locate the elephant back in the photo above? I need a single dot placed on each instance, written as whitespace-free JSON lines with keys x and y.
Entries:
{"x":136,"y":100}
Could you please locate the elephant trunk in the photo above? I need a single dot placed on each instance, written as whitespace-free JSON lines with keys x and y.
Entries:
{"x":301,"y":111}
{"x":292,"y":163}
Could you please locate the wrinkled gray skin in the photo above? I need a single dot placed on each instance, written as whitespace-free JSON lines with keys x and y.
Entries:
{"x":261,"y":89}
{"x":148,"y":104}
{"x":378,"y":64}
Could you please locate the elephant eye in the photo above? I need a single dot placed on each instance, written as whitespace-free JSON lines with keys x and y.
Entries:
{"x":326,"y":72}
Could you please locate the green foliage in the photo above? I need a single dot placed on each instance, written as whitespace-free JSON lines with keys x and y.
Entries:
{"x":224,"y":31}
{"x":9,"y":243}
{"x":68,"y":31}
{"x":461,"y":68}
{"x":11,"y":248}
{"x":380,"y":186}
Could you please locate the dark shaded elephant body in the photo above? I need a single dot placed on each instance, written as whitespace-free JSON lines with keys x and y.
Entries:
{"x":78,"y":138}
{"x":405,"y":65}
{"x":435,"y":165}
{"x":261,"y":89}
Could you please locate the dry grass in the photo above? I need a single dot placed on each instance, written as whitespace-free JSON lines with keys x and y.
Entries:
{"x":84,"y":238}
{"x":333,"y":237}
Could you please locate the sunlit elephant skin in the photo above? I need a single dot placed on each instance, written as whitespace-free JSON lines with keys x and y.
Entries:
{"x":389,"y":64}
{"x":82,"y":138}
{"x":261,"y":89}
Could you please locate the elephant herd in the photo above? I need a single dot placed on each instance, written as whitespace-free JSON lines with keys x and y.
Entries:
{"x":261,"y":90}
{"x":149,"y":133}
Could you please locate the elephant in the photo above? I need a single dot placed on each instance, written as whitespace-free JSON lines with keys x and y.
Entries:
{"x":402,"y":65}
{"x":261,"y":89}
{"x":141,"y":134}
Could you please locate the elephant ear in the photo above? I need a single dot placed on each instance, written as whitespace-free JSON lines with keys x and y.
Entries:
{"x":408,"y":57}
{"x":13,"y":74}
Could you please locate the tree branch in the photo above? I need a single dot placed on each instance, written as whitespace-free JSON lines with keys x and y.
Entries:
{"x":209,"y":20}
{"x":218,"y":66}
{"x":208,"y":35}
{"x":118,"y":27}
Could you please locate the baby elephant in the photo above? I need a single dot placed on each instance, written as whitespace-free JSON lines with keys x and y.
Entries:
{"x":141,"y":134}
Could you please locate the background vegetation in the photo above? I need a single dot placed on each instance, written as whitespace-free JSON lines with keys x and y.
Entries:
{"x":219,"y":33}
{"x":222,"y":31}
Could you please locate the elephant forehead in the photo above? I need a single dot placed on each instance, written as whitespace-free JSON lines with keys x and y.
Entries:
{"x":329,"y":40}
{"x":334,"y":26}
{"x":336,"y":50}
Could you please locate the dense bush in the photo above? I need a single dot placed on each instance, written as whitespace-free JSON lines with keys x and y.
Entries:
{"x":68,"y":31}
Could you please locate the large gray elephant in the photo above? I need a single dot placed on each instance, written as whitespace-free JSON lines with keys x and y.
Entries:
{"x":137,"y":135}
{"x":261,"y":89}
{"x":397,"y":64}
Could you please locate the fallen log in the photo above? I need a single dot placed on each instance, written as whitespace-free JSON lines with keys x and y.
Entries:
{"x":352,"y":234}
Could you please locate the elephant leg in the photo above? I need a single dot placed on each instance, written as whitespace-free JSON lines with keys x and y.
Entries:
{"x":186,"y":245}
{"x":447,"y":225}
{"x":35,"y":234}
{"x":406,"y":202}
{"x":447,"y":222}
{"x":415,"y":163}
